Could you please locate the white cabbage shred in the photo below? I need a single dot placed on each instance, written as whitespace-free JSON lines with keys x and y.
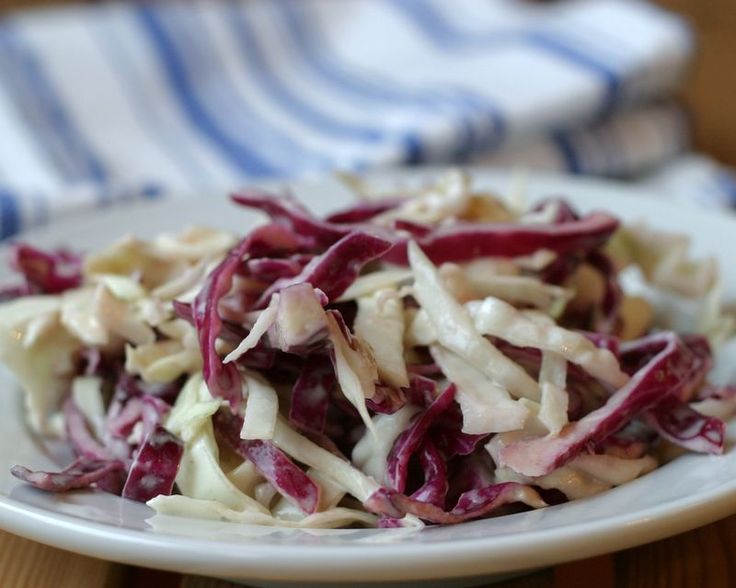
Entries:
{"x":380,"y":323}
{"x":455,"y":330}
{"x":486,"y":406}
{"x":554,"y":403}
{"x":356,"y":371}
{"x":368,"y":284}
{"x":43,"y":364}
{"x":492,"y":316}
{"x":266,"y":318}
{"x":261,"y":409}
{"x":87,"y":395}
{"x":449,"y":197}
{"x":665,"y":263}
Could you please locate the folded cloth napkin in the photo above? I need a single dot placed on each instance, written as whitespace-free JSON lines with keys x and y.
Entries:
{"x":113,"y":101}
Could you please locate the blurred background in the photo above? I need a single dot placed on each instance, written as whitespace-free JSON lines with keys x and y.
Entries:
{"x":711,"y":83}
{"x":101,"y":102}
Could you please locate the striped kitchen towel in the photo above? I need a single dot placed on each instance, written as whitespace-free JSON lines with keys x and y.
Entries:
{"x":112,"y":101}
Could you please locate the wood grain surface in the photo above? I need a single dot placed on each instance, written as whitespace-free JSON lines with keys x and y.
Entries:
{"x":710,"y":92}
{"x":702,"y":558}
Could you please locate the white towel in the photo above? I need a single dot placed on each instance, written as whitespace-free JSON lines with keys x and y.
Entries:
{"x":113,"y":101}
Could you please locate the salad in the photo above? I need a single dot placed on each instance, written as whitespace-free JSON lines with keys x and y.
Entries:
{"x":430,"y":357}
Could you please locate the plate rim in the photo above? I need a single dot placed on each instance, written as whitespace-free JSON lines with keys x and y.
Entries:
{"x":323,"y":563}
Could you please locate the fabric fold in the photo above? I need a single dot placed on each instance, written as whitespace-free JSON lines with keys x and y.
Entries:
{"x":104,"y":102}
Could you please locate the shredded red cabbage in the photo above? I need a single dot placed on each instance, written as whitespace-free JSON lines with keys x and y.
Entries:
{"x":222,"y":379}
{"x":46,"y":272}
{"x":604,"y":341}
{"x":665,"y":374}
{"x":82,"y":440}
{"x":272,"y":463}
{"x":434,"y":468}
{"x":448,"y":435}
{"x":334,"y":270}
{"x":464,"y":242}
{"x":397,"y":467}
{"x":386,"y":400}
{"x":364,"y":211}
{"x":471,"y":472}
{"x":471,"y":505}
{"x":310,"y":394}
{"x":682,"y":425}
{"x":287,"y":211}
{"x":105,"y":463}
{"x":422,"y":390}
{"x":155,"y":466}
{"x":82,"y":473}
{"x":414,"y":229}
{"x":269,"y":269}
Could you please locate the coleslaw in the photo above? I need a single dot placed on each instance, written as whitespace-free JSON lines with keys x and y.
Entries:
{"x":430,"y":357}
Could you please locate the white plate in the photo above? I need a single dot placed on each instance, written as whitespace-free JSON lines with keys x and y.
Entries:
{"x":691,"y":491}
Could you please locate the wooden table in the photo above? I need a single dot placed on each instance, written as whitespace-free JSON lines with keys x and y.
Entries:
{"x":702,"y":558}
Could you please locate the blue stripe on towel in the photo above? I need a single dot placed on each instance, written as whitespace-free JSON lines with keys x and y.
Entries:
{"x":458,"y":105}
{"x":112,"y":45}
{"x":238,"y":154}
{"x":440,"y":31}
{"x":10,"y":221}
{"x":279,"y":91}
{"x":726,"y":183}
{"x":430,"y":22}
{"x":38,"y":101}
{"x":196,"y":43}
{"x":568,"y":152}
{"x":268,"y":78}
{"x":607,"y":75}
